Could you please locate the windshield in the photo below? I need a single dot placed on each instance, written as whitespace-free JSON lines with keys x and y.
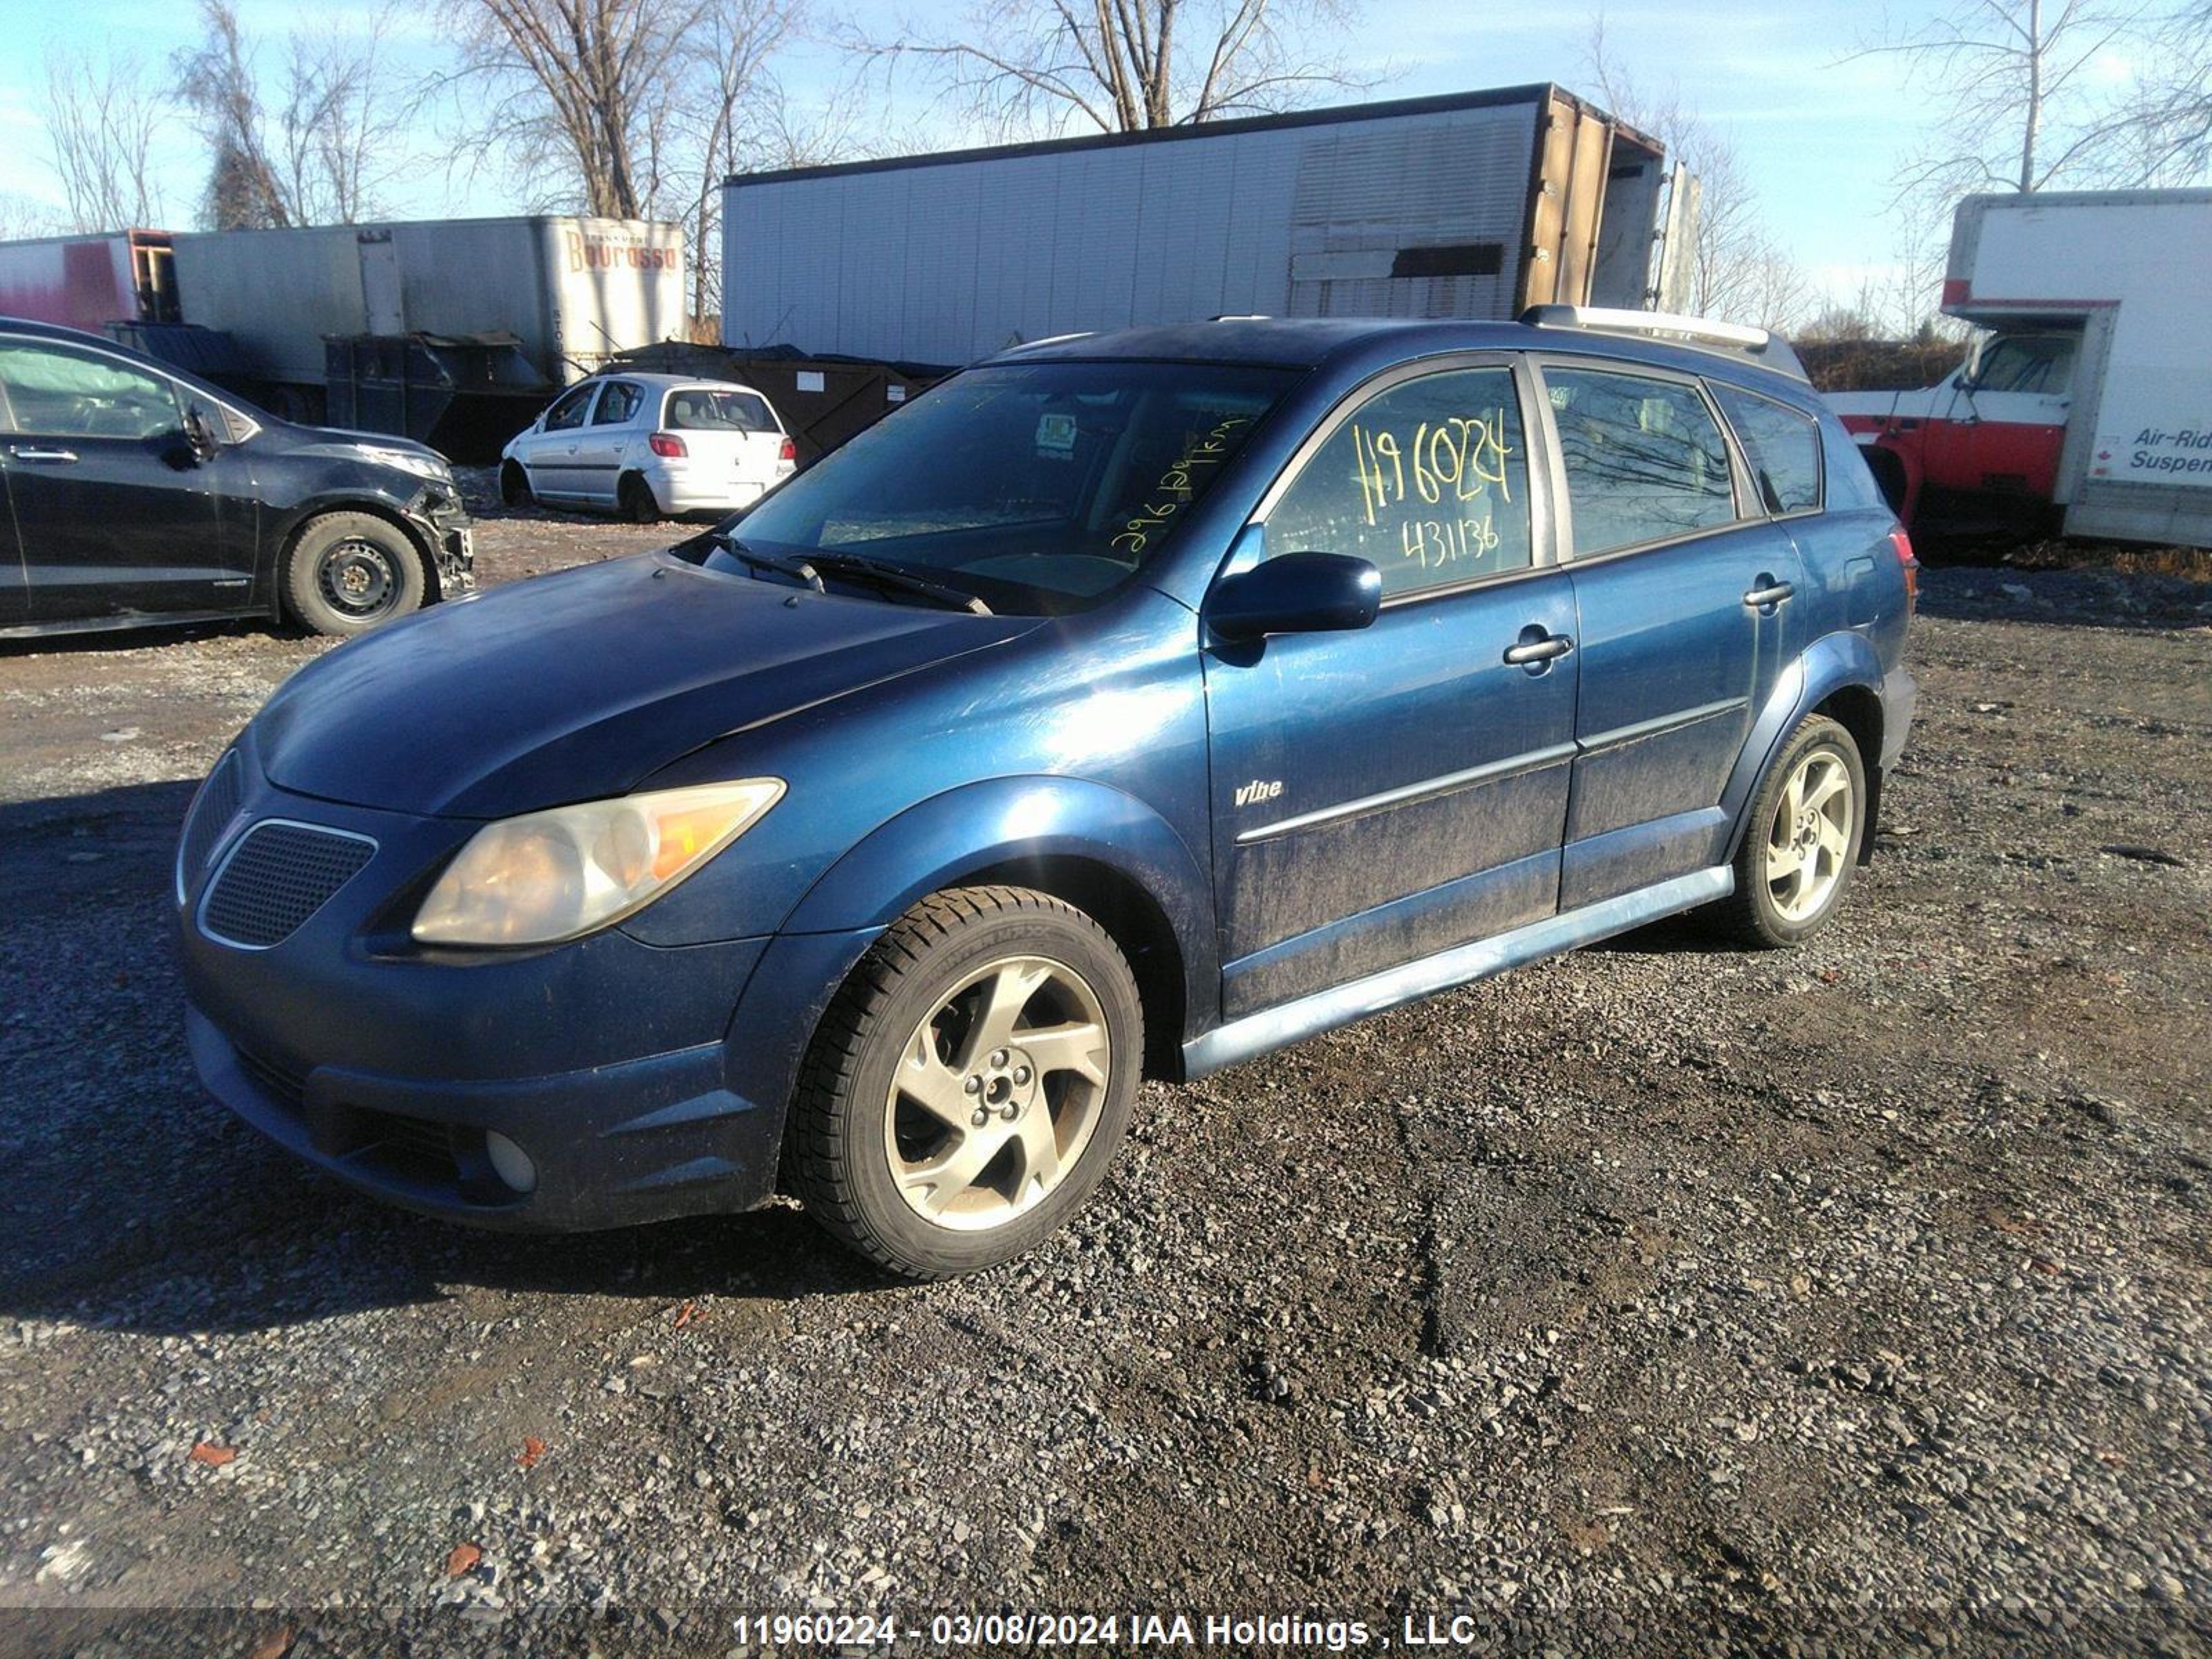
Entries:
{"x":1037,"y":487}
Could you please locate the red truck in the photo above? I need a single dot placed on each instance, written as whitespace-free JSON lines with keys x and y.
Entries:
{"x":2088,"y":407}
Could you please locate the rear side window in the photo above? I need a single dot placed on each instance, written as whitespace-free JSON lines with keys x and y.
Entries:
{"x":1644,"y":459}
{"x":704,"y":409}
{"x":1781,"y":446}
{"x":617,"y":403}
{"x":56,"y":393}
{"x":1428,"y":482}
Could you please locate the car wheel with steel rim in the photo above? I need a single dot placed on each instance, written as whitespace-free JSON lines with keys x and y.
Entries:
{"x":971,"y":1083}
{"x":347,"y":572}
{"x":1803,"y":840}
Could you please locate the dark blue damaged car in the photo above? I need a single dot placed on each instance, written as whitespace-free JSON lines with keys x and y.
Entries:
{"x":1124,"y":707}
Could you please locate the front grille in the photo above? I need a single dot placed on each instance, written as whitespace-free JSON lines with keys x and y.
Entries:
{"x":278,"y":875}
{"x":213,"y":808}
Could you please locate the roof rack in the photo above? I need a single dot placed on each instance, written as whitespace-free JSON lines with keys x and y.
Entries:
{"x":1770,"y":350}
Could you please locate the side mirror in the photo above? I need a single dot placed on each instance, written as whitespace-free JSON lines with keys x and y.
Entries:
{"x":1296,"y":593}
{"x":199,"y":434}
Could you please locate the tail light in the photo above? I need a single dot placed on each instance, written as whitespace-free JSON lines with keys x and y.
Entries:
{"x":788,"y":453}
{"x":1903,"y":545}
{"x":668,"y":444}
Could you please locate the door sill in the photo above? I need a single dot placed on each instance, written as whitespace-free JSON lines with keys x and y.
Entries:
{"x":1324,"y":1011}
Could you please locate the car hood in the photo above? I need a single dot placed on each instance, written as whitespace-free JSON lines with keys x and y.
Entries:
{"x":341,"y":440}
{"x":578,"y":686}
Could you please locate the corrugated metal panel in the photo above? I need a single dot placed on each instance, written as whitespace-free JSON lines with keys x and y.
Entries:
{"x":947,"y":263}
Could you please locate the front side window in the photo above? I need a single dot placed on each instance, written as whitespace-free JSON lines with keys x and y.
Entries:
{"x":568,"y":414}
{"x":57,"y":392}
{"x":1644,"y":458}
{"x":2042,"y":364}
{"x":617,"y":403}
{"x":1428,"y":482}
{"x":1781,"y":446}
{"x":708,"y":409}
{"x":1039,"y":487}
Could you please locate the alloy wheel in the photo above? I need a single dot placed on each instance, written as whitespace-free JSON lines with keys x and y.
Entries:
{"x":1808,"y":844}
{"x":998,"y":1093}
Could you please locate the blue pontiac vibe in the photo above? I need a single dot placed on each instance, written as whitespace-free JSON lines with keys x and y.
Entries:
{"x":1124,"y":706}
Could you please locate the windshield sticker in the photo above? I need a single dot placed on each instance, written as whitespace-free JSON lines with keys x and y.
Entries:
{"x":1175,"y":489}
{"x":1055,"y":436}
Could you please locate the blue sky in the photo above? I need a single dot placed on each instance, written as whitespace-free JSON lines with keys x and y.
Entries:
{"x":1819,"y":134}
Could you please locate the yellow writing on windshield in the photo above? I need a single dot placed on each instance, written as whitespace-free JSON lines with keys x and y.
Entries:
{"x":1177,"y":487}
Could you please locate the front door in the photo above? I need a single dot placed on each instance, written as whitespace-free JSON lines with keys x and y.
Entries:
{"x":115,"y":514}
{"x":2004,"y":431}
{"x":602,"y":441}
{"x":1384,"y":794}
{"x":1683,"y":589}
{"x":548,"y":452}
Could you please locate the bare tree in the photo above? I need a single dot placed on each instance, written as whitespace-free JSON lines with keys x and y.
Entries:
{"x":217,"y":82}
{"x":1737,"y":270}
{"x":2016,"y":83}
{"x":2167,"y":120}
{"x":1128,"y":65}
{"x":311,"y":144}
{"x":577,"y":88}
{"x":734,"y":112}
{"x":21,"y":217}
{"x":103,"y":119}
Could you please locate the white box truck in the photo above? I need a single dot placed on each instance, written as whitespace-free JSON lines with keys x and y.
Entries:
{"x":2087,"y":406}
{"x":1473,"y":204}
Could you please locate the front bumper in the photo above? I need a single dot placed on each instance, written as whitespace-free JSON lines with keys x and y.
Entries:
{"x":618,"y":1066}
{"x":446,"y":528}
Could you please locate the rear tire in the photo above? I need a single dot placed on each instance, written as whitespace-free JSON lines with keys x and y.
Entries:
{"x":347,"y":572}
{"x":969,"y":1085}
{"x":515,"y":485}
{"x":1800,"y":841}
{"x":634,"y":497}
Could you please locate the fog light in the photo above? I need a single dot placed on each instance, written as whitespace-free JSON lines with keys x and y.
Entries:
{"x":510,"y":1163}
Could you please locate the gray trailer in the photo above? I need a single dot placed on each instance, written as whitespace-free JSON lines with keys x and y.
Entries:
{"x":1476,"y":204}
{"x":409,"y":321}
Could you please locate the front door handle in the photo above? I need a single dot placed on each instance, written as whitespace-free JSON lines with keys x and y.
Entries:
{"x":1529,"y":653}
{"x":47,"y":457}
{"x":1774,"y":593}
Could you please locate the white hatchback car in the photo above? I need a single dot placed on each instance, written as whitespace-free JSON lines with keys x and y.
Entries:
{"x":650,"y":445}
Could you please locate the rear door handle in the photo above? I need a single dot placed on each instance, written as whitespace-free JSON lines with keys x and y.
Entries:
{"x":47,"y":457}
{"x":1777,"y":593}
{"x":1529,"y":652}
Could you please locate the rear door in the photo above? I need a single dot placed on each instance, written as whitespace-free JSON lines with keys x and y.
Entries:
{"x":733,"y":439}
{"x":1682,"y":589}
{"x":604,"y":440}
{"x":1384,"y":794}
{"x":113,"y":514}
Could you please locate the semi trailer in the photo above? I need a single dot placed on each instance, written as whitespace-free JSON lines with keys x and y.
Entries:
{"x":1475,"y":204}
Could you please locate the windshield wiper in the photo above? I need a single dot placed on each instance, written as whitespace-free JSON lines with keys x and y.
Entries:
{"x":801,"y":571}
{"x":855,"y":567}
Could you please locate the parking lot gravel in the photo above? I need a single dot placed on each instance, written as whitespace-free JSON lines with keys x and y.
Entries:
{"x":1659,"y":1298}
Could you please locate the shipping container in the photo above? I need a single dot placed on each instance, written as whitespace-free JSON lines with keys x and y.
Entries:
{"x":1476,"y":205}
{"x":89,"y":282}
{"x":572,"y":291}
{"x":2088,"y":406}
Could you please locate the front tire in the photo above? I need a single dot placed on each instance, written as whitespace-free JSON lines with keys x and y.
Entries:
{"x":515,"y":486}
{"x":347,"y":572}
{"x":1802,"y":842}
{"x":969,"y":1084}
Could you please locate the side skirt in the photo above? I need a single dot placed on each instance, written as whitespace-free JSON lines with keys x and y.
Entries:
{"x":1324,"y":1011}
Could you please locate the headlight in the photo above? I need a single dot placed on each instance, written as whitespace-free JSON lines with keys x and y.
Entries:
{"x":423,"y":466}
{"x":551,"y":875}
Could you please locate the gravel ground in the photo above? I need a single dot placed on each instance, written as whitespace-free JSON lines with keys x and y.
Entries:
{"x":1659,"y":1298}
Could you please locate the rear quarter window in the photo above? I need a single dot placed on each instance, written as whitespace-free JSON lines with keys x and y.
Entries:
{"x":1781,"y":446}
